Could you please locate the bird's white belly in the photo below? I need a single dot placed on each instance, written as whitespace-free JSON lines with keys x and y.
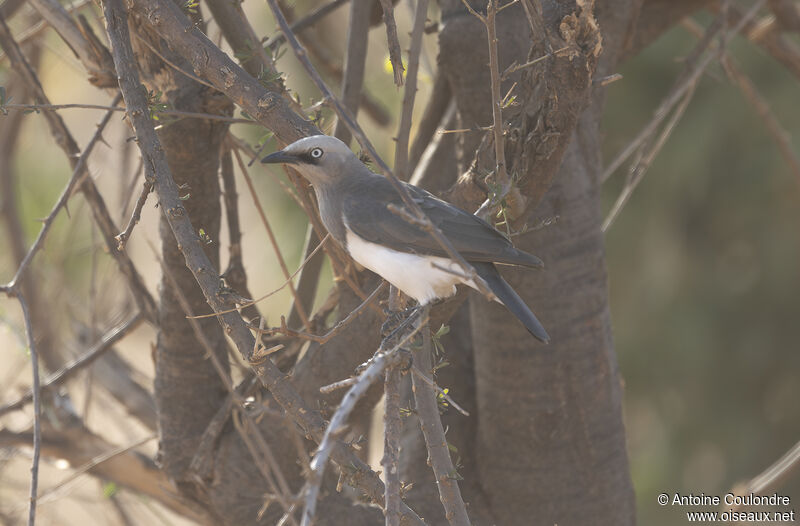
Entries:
{"x":413,"y":274}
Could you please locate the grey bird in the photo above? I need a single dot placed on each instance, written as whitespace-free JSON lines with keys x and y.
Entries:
{"x":353,"y":204}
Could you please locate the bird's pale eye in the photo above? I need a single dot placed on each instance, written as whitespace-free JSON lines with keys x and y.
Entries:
{"x":316,"y":153}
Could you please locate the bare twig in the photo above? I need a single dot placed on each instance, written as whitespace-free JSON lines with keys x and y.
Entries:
{"x":383,"y":358}
{"x":123,"y":237}
{"x":297,"y":303}
{"x":771,"y":122}
{"x":234,"y":274}
{"x":130,"y":470}
{"x":308,"y":281}
{"x":265,"y":461}
{"x":89,"y":50}
{"x":436,"y":109}
{"x":27,"y":34}
{"x":354,"y":63}
{"x":330,"y":65}
{"x":513,"y":68}
{"x":410,"y":91}
{"x":392,"y":426}
{"x":168,"y":113}
{"x":79,"y":174}
{"x":171,"y":64}
{"x":773,"y":42}
{"x":37,"y":410}
{"x":683,"y":83}
{"x":395,"y":56}
{"x":307,"y":21}
{"x":270,"y":293}
{"x":441,"y":392}
{"x":286,"y":331}
{"x":772,"y":477}
{"x":787,"y":14}
{"x":341,"y":384}
{"x":759,"y":103}
{"x":57,"y":378}
{"x":431,"y":424}
{"x":645,"y":158}
{"x":358,"y":133}
{"x":94,"y":463}
{"x":425,"y":175}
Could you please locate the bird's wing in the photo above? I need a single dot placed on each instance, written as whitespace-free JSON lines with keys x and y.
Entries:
{"x":472,"y":237}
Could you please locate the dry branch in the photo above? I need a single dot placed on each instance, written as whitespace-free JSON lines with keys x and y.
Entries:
{"x":774,"y":127}
{"x":79,"y":446}
{"x":684,"y":82}
{"x":401,"y":169}
{"x":772,"y":477}
{"x":37,"y":409}
{"x":81,"y":40}
{"x":111,"y":338}
{"x":273,"y":241}
{"x":395,"y":56}
{"x":354,"y":63}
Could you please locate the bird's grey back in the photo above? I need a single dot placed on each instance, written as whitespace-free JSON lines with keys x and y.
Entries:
{"x":363,"y":201}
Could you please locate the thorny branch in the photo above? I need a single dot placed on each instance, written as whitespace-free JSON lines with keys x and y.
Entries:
{"x":273,"y":241}
{"x":37,"y":406}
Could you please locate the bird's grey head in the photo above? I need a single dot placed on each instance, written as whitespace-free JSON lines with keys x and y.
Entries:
{"x":320,"y":158}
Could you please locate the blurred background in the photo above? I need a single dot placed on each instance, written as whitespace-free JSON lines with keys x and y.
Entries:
{"x":704,"y":268}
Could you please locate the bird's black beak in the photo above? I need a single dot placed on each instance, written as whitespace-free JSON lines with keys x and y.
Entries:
{"x":280,"y":157}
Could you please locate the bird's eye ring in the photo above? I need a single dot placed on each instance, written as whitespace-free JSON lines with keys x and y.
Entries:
{"x":316,"y":153}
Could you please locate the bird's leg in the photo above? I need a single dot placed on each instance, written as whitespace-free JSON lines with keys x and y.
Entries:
{"x":406,"y":318}
{"x":396,"y":320}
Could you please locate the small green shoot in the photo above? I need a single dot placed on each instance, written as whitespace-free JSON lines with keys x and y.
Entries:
{"x":154,"y":104}
{"x":190,"y":6}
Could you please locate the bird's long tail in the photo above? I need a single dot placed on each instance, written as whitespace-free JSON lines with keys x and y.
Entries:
{"x":511,"y":300}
